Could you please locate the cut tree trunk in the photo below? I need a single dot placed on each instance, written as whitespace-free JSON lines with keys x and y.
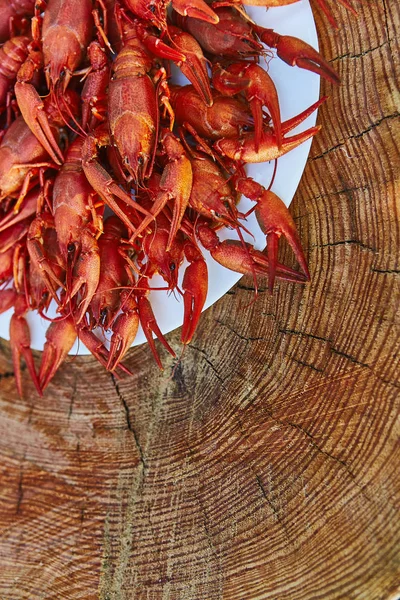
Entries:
{"x":265,"y":465}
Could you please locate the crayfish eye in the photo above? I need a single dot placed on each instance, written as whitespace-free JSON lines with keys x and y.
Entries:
{"x":103,"y":315}
{"x":62,"y":73}
{"x":172,"y":266}
{"x":140,"y":160}
{"x":71,"y":248}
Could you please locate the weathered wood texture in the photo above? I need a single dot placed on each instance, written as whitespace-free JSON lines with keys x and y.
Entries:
{"x":266,"y":467}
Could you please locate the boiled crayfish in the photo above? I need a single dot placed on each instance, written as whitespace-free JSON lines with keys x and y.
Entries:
{"x":89,"y":121}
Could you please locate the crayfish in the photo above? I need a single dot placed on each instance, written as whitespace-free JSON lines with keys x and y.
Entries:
{"x":109,"y":174}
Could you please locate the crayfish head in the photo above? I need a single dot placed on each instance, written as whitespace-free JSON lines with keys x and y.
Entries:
{"x":169,"y":267}
{"x":69,"y":250}
{"x":166,"y":262}
{"x":136,"y":165}
{"x":60,"y":58}
{"x":66,"y":238}
{"x":134,"y":140}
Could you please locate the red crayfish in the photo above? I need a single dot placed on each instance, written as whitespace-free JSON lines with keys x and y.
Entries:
{"x":90,"y":124}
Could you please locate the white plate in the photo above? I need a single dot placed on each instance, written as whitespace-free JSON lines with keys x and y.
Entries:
{"x":297,"y":90}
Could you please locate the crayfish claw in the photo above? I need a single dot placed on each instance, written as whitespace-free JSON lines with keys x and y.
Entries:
{"x":274,"y":269}
{"x":293,"y":122}
{"x":194,"y":67}
{"x":60,"y":337}
{"x":7,"y":299}
{"x":259,"y":90}
{"x":20,"y":341}
{"x":195,"y":286}
{"x":32,"y":109}
{"x":149,"y":325}
{"x":296,"y":52}
{"x":97,"y":348}
{"x":321,"y":68}
{"x":124,"y":331}
{"x":196,"y":9}
{"x":86,"y":273}
{"x":244,"y":258}
{"x":275,"y":220}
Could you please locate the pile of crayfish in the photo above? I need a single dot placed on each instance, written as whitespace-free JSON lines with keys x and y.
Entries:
{"x":110,"y":174}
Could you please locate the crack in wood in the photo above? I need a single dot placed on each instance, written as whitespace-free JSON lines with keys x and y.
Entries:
{"x":314,"y":444}
{"x":129,"y":423}
{"x":208,"y":361}
{"x":242,"y":337}
{"x":305,"y":364}
{"x":360,"y":54}
{"x":305,"y":334}
{"x":350,"y":358}
{"x":345,"y":190}
{"x":269,"y":314}
{"x":73,"y":396}
{"x":356,"y":136}
{"x":7,"y":375}
{"x":264,"y":493}
{"x":20,"y":493}
{"x":178,"y":377}
{"x":330,"y":456}
{"x":272,"y":506}
{"x":350,"y":197}
{"x":249,"y":288}
{"x":344,"y":243}
{"x":394,"y":384}
{"x":334,"y":350}
{"x":386,"y":271}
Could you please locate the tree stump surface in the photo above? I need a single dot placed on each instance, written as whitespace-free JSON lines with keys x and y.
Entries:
{"x":266,"y":466}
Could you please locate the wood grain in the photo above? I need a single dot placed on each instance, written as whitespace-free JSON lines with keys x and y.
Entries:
{"x":265,"y":466}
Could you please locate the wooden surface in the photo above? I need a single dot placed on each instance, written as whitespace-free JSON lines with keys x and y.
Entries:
{"x":266,"y":467}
